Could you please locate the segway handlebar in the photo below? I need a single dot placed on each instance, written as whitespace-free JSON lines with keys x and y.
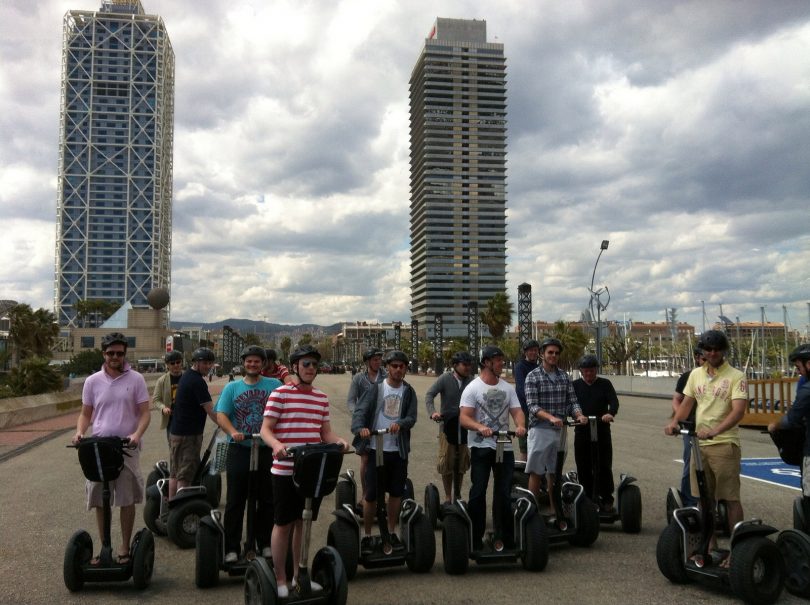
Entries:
{"x":124,"y":442}
{"x":292,"y":451}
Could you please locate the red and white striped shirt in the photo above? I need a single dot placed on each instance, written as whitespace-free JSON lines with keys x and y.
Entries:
{"x":299,"y":417}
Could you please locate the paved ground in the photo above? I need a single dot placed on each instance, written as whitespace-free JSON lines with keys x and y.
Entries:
{"x":42,"y":503}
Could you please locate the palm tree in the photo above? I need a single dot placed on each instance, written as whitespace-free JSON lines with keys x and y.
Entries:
{"x":573,"y":340}
{"x":31,"y":333}
{"x":498,"y":314}
{"x":286,"y":343}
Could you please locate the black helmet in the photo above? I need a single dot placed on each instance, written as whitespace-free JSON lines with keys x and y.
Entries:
{"x":551,"y":341}
{"x":305,"y":351}
{"x":173,"y":356}
{"x":589,"y":361}
{"x":489,"y":352}
{"x":372,"y":352}
{"x":697,"y":352}
{"x":113,"y":338}
{"x":713,"y":339}
{"x":801,"y":352}
{"x":270,"y":354}
{"x":461,"y":357}
{"x":396,"y":356}
{"x":530,"y":344}
{"x":203,"y":354}
{"x":253,"y":350}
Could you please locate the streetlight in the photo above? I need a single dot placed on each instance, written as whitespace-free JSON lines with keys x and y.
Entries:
{"x":595,"y":294}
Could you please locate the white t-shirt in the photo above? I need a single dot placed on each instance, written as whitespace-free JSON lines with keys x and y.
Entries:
{"x":492,"y":404}
{"x":389,"y":413}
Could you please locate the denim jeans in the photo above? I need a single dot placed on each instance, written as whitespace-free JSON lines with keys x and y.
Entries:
{"x":482,"y":462}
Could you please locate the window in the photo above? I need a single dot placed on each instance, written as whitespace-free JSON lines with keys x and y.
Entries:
{"x":88,"y":342}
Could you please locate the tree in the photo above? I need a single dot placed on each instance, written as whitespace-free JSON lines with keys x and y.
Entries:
{"x":93,"y":312}
{"x":573,"y":340}
{"x":31,"y":333}
{"x":84,"y":363}
{"x":251,"y":338}
{"x":34,"y":376}
{"x":286,"y":343}
{"x":498,"y":314}
{"x":619,"y":351}
{"x":306,"y":339}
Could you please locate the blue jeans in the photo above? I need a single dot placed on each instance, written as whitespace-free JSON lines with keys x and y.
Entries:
{"x":482,"y":461}
{"x":686,"y":486}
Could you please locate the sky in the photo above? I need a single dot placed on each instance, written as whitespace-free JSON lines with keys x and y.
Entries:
{"x":678,"y":131}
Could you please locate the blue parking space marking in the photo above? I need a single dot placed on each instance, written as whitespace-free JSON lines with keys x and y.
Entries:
{"x":773,"y":471}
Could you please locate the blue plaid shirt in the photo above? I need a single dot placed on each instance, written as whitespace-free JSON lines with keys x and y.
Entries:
{"x":551,"y":392}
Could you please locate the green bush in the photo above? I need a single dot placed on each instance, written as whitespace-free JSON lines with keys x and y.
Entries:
{"x":84,"y":364}
{"x":34,"y":376}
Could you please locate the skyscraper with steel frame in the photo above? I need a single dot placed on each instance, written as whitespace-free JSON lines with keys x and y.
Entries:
{"x":458,"y":173}
{"x":114,"y":205}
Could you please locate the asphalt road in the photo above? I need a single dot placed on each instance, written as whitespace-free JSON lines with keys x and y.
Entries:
{"x":42,"y":504}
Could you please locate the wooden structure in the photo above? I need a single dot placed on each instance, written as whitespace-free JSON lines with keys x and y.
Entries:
{"x":768,"y":400}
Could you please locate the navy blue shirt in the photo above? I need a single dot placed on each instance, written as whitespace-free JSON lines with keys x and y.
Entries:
{"x":188,"y":414}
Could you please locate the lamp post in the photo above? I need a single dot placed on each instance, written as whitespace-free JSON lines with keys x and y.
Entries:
{"x":595,"y":294}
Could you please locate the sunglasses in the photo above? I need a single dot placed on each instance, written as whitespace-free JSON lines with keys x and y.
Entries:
{"x":115,"y":353}
{"x":174,"y":363}
{"x":397,"y":366}
{"x":552,"y":352}
{"x":712,"y":350}
{"x":308,"y":363}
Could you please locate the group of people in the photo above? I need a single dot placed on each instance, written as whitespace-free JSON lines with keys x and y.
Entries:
{"x":285,"y":409}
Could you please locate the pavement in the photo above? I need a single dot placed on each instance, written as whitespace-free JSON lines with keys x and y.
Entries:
{"x":42,"y":504}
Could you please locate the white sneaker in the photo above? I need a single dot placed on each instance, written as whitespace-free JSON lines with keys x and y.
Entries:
{"x":314,"y":586}
{"x":231,"y":557}
{"x":283,"y":591}
{"x":267,"y":553}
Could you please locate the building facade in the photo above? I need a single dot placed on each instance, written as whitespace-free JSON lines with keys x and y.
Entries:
{"x":458,"y":174}
{"x":114,"y":200}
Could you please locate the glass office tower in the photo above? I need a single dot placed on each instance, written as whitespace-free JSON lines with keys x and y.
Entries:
{"x":458,"y":174}
{"x":114,"y":206}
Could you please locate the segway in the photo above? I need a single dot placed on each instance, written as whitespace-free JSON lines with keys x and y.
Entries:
{"x":434,"y":508}
{"x":628,"y":495}
{"x":315,"y":471}
{"x":416,"y":547}
{"x":102,"y":459}
{"x":210,"y":538}
{"x":180,"y":516}
{"x":577,"y":520}
{"x":756,"y":573}
{"x":211,"y":479}
{"x":531,"y":539}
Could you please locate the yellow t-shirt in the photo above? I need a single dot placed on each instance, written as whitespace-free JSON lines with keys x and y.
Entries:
{"x":714,"y":395}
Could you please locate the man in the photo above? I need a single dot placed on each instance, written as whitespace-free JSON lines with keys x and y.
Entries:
{"x":596,"y":397}
{"x":390,"y":405}
{"x":191,"y":406}
{"x":550,"y":397}
{"x":486,"y":405}
{"x":295,"y":414}
{"x":240,"y":410}
{"x":798,"y":415}
{"x":531,"y":353}
{"x":677,"y":399}
{"x":273,"y":369}
{"x":362,"y":382}
{"x":166,"y":389}
{"x":720,"y":393}
{"x":454,"y":456}
{"x":115,"y":401}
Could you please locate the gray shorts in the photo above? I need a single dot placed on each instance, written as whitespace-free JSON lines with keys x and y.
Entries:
{"x":184,"y":452}
{"x":126,"y":490}
{"x":543,"y":445}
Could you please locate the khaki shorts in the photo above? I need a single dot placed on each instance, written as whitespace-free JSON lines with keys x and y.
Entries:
{"x":126,"y":490}
{"x":721,"y":463}
{"x":184,"y":456}
{"x":446,"y":463}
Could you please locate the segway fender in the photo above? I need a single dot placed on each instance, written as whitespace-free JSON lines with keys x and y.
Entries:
{"x":187,"y":493}
{"x":345,"y":515}
{"x":748,"y":529}
{"x":213,"y":521}
{"x":625,"y":480}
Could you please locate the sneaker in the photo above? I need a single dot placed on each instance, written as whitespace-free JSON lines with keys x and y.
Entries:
{"x":231,"y":557}
{"x":314,"y":586}
{"x":267,"y":553}
{"x":283,"y":591}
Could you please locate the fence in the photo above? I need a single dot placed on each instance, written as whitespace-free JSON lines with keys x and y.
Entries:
{"x":769,"y":400}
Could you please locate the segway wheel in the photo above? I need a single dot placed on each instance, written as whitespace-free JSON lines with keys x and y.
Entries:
{"x":260,"y":584}
{"x":757,"y":573}
{"x":345,"y":540}
{"x":630,"y":509}
{"x":78,"y":553}
{"x":795,"y":549}
{"x":422,"y":548}
{"x":432,"y":505}
{"x":152,"y":478}
{"x":535,"y":555}
{"x":344,"y":494}
{"x":207,"y":560}
{"x":143,"y":559}
{"x":328,"y":571}
{"x":669,"y":554}
{"x":151,"y":516}
{"x":587,"y":524}
{"x":721,"y":519}
{"x":184,"y":520}
{"x":672,"y":506}
{"x":455,"y":545}
{"x":213,"y":488}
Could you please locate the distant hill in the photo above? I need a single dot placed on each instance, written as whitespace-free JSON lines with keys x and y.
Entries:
{"x":246,"y":326}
